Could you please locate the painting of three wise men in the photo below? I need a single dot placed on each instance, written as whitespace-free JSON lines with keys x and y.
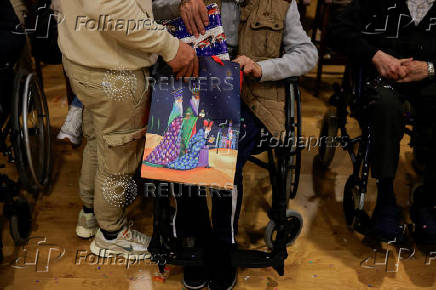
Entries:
{"x":194,"y":127}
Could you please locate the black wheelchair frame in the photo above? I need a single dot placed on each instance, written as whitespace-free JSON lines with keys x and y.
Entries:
{"x":27,"y":127}
{"x":285,"y":225}
{"x":355,"y":189}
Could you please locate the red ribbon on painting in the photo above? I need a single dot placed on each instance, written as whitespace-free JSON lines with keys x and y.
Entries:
{"x":241,"y":79}
{"x":217,"y":60}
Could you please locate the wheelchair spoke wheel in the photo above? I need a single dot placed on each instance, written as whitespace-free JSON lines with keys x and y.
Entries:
{"x":31,"y":136}
{"x":327,"y":146}
{"x":351,"y":199}
{"x":291,"y":164}
{"x":290,"y":170}
{"x":294,"y":226}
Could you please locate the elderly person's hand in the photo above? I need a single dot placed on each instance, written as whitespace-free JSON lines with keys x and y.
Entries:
{"x":249,"y":67}
{"x":416,"y":71}
{"x":195,"y":16}
{"x":390,"y":67}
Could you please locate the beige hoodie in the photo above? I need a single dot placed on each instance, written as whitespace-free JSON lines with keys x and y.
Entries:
{"x":112,"y":34}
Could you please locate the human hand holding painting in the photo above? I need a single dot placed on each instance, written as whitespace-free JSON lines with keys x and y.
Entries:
{"x":249,"y":67}
{"x":185,"y":64}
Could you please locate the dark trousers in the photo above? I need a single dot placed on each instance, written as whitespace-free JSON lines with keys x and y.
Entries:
{"x":192,"y":216}
{"x":387,"y":120}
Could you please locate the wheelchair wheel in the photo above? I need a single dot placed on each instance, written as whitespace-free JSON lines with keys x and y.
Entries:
{"x":19,"y":214}
{"x":329,"y":131}
{"x":295,"y":222}
{"x":290,"y":170}
{"x":416,"y":188}
{"x":291,"y":165}
{"x":31,"y":132}
{"x":351,"y":199}
{"x":417,"y":163}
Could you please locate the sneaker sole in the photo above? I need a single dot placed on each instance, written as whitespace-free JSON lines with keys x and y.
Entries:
{"x":68,"y":139}
{"x":194,"y":288}
{"x":106,"y":253}
{"x":233,"y":283}
{"x":85,"y":233}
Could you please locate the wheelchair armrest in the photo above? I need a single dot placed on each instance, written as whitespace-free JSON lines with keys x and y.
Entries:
{"x":291,"y":84}
{"x":291,"y":80}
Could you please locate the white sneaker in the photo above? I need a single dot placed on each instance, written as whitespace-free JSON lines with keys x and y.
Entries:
{"x":129,"y":243}
{"x":71,"y":130}
{"x":87,"y":225}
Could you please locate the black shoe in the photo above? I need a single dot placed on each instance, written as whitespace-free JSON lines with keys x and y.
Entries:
{"x":194,"y":277}
{"x":425,"y":221}
{"x":224,"y":279}
{"x":386,"y":223}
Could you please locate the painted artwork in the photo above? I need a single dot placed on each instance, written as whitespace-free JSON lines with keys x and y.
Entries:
{"x":193,"y":128}
{"x":213,"y":42}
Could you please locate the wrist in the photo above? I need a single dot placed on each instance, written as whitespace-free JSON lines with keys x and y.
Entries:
{"x":430,"y":70}
{"x":259,"y":69}
{"x":376,"y":56}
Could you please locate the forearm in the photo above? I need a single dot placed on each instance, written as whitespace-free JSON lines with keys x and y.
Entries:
{"x":296,"y":63}
{"x":300,"y":54}
{"x":166,"y":9}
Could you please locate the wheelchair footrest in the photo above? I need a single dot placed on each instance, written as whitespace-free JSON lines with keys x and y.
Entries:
{"x":186,"y":257}
{"x":362,"y":223}
{"x":256,"y":259}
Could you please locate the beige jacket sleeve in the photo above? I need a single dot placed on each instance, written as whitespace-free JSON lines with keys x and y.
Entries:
{"x":148,"y":38}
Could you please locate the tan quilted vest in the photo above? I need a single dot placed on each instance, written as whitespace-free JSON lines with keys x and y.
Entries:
{"x":261,"y":30}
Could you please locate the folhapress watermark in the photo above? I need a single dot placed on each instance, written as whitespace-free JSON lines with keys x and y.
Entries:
{"x":391,"y":257}
{"x":85,"y":257}
{"x":106,"y":22}
{"x":289,"y":140}
{"x":38,"y":254}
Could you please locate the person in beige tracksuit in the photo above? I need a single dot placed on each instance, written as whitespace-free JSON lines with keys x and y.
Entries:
{"x":108,"y":64}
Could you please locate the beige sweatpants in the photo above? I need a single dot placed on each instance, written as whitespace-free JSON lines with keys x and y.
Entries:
{"x":116,"y":106}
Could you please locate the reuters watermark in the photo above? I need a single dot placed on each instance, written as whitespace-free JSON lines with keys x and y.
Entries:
{"x":203,"y":84}
{"x":176,"y":190}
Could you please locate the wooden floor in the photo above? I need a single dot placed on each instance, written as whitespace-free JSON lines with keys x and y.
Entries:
{"x":326,"y":256}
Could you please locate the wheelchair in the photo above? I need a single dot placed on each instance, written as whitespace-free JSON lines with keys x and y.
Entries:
{"x":285,"y":225}
{"x":27,"y":126}
{"x":25,"y":141}
{"x":350,"y":100}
